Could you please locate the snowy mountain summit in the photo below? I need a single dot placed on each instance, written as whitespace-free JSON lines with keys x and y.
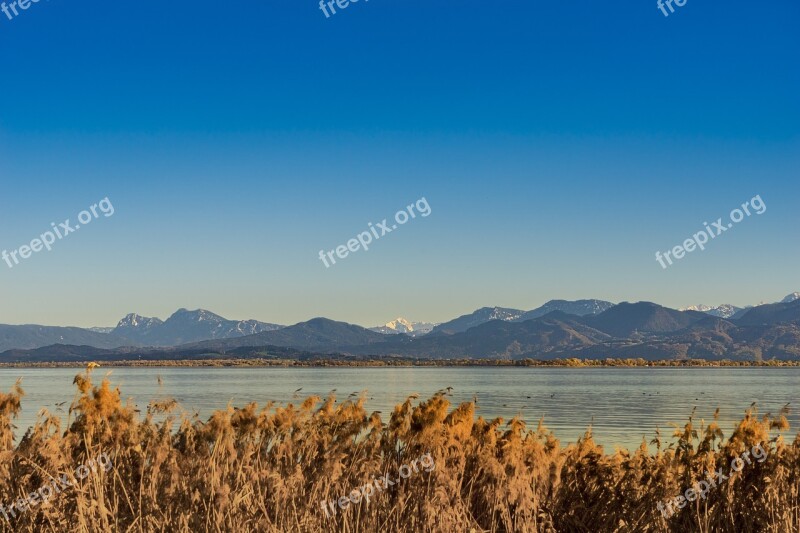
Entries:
{"x":790,"y":298}
{"x":402,"y":325}
{"x":132,"y":320}
{"x":185,"y":326}
{"x":721,"y":311}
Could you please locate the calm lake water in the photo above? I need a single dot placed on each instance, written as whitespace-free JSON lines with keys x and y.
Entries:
{"x":621,"y":404}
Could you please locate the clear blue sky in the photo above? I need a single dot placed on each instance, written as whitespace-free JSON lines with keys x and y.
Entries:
{"x":559,"y":146}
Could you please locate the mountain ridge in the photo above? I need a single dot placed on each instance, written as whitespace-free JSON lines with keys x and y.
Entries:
{"x":185,"y":326}
{"x":593,"y":328}
{"x":476,"y":318}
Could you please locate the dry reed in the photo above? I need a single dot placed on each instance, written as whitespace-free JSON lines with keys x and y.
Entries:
{"x":267,"y":469}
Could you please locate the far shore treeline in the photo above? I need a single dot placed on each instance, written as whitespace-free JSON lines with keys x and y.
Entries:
{"x":345,"y":361}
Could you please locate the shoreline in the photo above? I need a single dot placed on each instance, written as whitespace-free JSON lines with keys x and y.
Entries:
{"x":419,"y":363}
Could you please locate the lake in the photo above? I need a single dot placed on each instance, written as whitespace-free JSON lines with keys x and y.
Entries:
{"x":621,"y":404}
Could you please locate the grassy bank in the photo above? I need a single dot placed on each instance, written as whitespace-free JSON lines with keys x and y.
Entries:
{"x":270,"y":468}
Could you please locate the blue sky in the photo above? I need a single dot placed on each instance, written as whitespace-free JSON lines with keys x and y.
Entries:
{"x":559,"y":147}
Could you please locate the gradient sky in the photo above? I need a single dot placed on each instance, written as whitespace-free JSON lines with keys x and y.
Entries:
{"x":558,"y":146}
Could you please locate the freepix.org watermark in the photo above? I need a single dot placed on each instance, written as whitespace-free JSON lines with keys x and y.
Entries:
{"x":12,"y":7}
{"x":48,"y":238}
{"x":375,"y":232}
{"x":662,"y":5}
{"x":712,"y":481}
{"x":326,"y":5}
{"x":699,"y":239}
{"x":366,"y":492}
{"x":56,"y":486}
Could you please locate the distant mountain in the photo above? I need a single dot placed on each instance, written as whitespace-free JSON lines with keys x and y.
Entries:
{"x":35,"y":336}
{"x":712,"y":323}
{"x":133,"y":330}
{"x":398,"y":325}
{"x":740,"y":313}
{"x":401,"y":325}
{"x":497,"y":339}
{"x":555,"y":335}
{"x":101,"y":330}
{"x":60,"y":352}
{"x":721,"y":311}
{"x":709,"y":343}
{"x":318,"y":333}
{"x":771,"y":314}
{"x":657,"y":334}
{"x":136,"y":326}
{"x":627,"y":319}
{"x":486,"y":314}
{"x":577,"y":307}
{"x":186,"y":326}
{"x":584,"y":329}
{"x":731,"y":311}
{"x":481,"y":316}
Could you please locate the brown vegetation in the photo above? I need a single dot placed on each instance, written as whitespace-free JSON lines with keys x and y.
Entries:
{"x":405,"y":361}
{"x":267,"y":469}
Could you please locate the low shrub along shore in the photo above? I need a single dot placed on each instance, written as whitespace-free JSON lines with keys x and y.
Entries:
{"x":399,"y":361}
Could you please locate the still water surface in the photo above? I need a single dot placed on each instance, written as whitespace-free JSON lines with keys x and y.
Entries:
{"x":621,"y":404}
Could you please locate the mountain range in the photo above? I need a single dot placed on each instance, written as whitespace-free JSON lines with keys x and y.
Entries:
{"x":185,"y":326}
{"x":476,"y":318}
{"x":181,"y":327}
{"x":721,"y":311}
{"x":558,"y":329}
{"x":731,"y":311}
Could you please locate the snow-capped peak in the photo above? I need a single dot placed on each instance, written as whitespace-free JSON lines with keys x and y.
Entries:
{"x":791,"y":297}
{"x":721,"y":311}
{"x":500,"y":313}
{"x":132,"y":320}
{"x":400,"y":325}
{"x":701,"y":308}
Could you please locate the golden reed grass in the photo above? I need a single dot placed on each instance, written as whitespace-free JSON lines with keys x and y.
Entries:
{"x":267,"y":469}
